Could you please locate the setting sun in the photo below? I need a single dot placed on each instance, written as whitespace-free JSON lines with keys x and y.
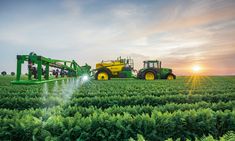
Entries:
{"x":196,"y":68}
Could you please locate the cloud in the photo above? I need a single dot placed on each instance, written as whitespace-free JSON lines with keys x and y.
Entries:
{"x":178,"y":32}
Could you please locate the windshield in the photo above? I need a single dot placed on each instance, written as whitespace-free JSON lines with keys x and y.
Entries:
{"x":150,"y":64}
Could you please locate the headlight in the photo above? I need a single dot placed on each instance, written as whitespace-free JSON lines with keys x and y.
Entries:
{"x":85,"y":78}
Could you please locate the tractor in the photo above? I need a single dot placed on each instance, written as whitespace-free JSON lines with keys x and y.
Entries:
{"x":124,"y":68}
{"x":152,"y":70}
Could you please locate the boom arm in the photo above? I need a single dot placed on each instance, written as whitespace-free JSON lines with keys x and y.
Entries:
{"x":71,"y":67}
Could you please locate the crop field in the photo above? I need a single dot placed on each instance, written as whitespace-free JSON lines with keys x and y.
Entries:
{"x":193,"y":108}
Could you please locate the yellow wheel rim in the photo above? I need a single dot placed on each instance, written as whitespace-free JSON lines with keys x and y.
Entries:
{"x":102,"y":76}
{"x":149,"y":76}
{"x":170,"y":77}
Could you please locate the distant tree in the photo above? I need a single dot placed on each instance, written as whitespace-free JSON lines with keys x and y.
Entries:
{"x":4,"y":73}
{"x":12,"y":73}
{"x":26,"y":73}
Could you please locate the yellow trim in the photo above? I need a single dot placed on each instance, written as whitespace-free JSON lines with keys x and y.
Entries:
{"x":149,"y":76}
{"x":102,"y":76}
{"x":170,"y":77}
{"x":113,"y":66}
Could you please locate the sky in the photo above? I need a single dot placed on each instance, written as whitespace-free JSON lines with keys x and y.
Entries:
{"x":180,"y":33}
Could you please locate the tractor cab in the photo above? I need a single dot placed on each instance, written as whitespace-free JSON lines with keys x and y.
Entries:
{"x":152,"y":64}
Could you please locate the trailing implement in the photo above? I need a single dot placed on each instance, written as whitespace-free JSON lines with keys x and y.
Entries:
{"x":120,"y":68}
{"x":37,"y":74}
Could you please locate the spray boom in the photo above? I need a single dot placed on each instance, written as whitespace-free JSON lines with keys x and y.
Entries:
{"x":36,"y":63}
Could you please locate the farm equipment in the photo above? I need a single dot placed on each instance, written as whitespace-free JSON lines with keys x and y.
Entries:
{"x":152,"y":70}
{"x":120,"y":68}
{"x":124,"y":68}
{"x":40,"y":75}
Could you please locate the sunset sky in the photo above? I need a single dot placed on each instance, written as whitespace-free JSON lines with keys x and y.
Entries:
{"x":181,"y":33}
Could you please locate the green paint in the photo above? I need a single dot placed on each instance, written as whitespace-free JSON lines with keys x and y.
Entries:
{"x":72,"y":67}
{"x":155,"y":65}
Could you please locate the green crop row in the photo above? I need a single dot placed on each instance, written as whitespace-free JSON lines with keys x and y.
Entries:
{"x":103,"y":126}
{"x":129,"y":86}
{"x":147,"y":109}
{"x":105,"y":102}
{"x":26,"y":103}
{"x":20,"y":95}
{"x":81,"y":94}
{"x":68,"y":111}
{"x":229,"y":136}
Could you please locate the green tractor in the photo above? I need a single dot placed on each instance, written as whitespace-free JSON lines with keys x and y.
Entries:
{"x":152,"y":70}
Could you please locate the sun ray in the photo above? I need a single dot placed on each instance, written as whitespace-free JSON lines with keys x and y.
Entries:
{"x":194,"y":82}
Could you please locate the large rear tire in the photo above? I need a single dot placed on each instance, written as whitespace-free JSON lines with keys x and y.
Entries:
{"x":103,"y":74}
{"x":149,"y":75}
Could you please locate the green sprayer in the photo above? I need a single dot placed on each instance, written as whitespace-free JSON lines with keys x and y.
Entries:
{"x":39,"y":69}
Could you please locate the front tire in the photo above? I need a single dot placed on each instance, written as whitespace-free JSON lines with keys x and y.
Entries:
{"x":170,"y":77}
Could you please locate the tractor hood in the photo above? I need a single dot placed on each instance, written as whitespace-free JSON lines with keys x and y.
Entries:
{"x":167,"y":70}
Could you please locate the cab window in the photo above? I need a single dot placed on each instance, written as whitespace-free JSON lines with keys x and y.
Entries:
{"x":153,"y":64}
{"x":145,"y":65}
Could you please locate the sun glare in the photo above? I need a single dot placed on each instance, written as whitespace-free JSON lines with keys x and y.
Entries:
{"x":196,"y":68}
